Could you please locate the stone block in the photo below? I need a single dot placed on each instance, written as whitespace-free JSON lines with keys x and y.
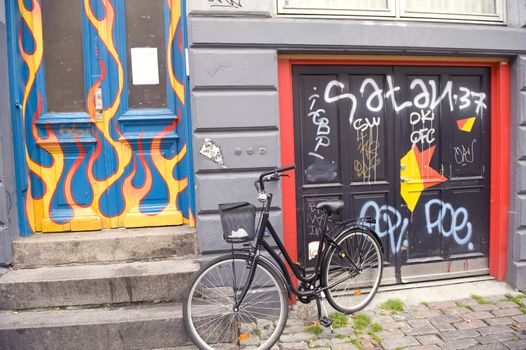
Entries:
{"x":234,"y":109}
{"x":499,"y":321}
{"x":469,"y":316}
{"x":521,"y":142}
{"x":522,"y":107}
{"x":516,"y":344}
{"x":247,"y":150}
{"x":81,"y":285}
{"x":233,"y":68}
{"x":104,"y":246}
{"x":521,"y":209}
{"x":470,"y":324}
{"x":494,"y":330}
{"x":521,"y":244}
{"x":508,"y":311}
{"x":211,"y":233}
{"x":495,"y":338}
{"x":520,"y":178}
{"x":216,"y":188}
{"x":421,"y":330}
{"x":429,"y":339}
{"x":159,"y":326}
{"x":460,"y":334}
{"x":399,"y":342}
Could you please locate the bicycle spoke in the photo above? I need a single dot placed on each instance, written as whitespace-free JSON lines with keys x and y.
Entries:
{"x":214,"y":323}
{"x":353,"y":271}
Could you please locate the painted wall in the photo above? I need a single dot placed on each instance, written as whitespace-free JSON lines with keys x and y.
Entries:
{"x":233,"y":66}
{"x":8,"y":216}
{"x":117,"y":167}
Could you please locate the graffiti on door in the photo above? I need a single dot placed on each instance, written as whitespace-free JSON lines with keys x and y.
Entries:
{"x":441,"y":218}
{"x":92,"y":172}
{"x":409,"y":145}
{"x":416,"y":172}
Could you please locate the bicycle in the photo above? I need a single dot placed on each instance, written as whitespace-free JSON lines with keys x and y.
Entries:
{"x":240,"y":299}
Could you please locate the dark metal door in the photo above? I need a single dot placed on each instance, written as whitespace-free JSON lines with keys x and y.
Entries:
{"x":406,"y":145}
{"x":443,"y":147}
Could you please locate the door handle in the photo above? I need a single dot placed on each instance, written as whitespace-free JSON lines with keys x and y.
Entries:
{"x":403,"y":179}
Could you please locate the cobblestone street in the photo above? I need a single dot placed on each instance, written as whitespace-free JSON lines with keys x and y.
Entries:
{"x":476,"y":323}
{"x":492,"y":323}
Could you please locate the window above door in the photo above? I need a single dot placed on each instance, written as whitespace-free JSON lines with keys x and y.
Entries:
{"x":479,"y":11}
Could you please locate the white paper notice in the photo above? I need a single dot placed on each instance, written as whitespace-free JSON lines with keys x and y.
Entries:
{"x":145,"y":66}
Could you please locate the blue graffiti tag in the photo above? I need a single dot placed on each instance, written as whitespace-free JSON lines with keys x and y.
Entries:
{"x":459,"y":222}
{"x":390,"y":222}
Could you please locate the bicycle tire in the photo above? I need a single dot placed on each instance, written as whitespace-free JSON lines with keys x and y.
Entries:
{"x":260,"y":319}
{"x":356,"y":248}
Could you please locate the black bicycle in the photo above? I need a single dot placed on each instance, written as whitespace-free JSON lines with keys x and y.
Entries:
{"x":240,"y":300}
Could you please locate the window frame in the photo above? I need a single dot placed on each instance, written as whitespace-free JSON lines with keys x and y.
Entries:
{"x":497,"y":17}
{"x":396,"y":11}
{"x":294,"y":10}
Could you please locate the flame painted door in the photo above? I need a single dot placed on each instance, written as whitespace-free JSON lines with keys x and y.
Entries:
{"x":408,"y":146}
{"x":100,"y":117}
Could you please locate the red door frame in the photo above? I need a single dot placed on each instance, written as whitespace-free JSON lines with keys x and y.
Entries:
{"x":499,"y":153}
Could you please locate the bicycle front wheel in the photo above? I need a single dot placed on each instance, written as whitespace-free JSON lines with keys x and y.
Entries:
{"x":210,"y":315}
{"x":353,"y":270}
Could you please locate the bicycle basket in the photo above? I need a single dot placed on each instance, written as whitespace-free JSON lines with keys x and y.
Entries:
{"x":239,"y":222}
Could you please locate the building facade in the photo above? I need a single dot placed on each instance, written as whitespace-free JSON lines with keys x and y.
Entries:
{"x":412,"y":112}
{"x":124,"y":113}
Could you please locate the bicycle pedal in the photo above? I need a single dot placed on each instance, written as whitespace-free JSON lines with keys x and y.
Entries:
{"x":325,"y":321}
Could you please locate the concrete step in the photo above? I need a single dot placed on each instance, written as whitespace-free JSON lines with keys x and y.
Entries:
{"x":137,"y":327}
{"x":75,"y":285}
{"x":104,"y":246}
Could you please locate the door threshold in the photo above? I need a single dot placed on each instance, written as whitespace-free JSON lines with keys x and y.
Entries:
{"x":436,"y":283}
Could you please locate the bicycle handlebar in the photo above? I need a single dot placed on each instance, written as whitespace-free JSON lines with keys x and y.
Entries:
{"x":274,"y":176}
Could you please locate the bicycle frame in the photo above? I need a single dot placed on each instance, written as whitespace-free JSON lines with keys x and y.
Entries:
{"x":325,"y":241}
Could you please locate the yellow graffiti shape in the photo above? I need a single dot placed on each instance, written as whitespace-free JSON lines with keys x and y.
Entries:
{"x":409,"y":169}
{"x":416,"y":175}
{"x":466,"y":124}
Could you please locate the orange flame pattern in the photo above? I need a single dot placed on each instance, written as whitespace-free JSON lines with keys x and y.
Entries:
{"x":39,"y":209}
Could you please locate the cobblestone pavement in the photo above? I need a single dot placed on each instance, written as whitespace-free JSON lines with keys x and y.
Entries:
{"x":489,"y":323}
{"x":493,"y":323}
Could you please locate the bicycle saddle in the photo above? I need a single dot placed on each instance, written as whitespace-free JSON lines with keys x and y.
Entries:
{"x":333,"y":207}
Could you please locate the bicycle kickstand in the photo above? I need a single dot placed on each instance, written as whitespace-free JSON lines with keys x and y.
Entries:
{"x":325,"y":321}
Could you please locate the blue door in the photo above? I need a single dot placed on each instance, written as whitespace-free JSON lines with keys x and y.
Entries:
{"x":100,"y":113}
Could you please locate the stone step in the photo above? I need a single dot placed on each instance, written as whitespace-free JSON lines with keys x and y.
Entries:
{"x":76,"y":285}
{"x":104,"y":246}
{"x":137,"y":327}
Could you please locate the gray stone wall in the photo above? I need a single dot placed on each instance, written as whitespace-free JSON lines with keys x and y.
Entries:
{"x":8,"y":217}
{"x":517,"y":222}
{"x":233,"y":61}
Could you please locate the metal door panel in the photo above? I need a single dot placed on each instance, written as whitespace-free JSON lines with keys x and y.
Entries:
{"x":400,"y":130}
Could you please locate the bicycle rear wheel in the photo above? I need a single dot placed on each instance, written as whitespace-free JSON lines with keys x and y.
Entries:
{"x":352,"y":270}
{"x":209,"y":314}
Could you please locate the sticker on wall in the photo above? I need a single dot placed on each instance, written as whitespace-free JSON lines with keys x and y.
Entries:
{"x":466,"y":124}
{"x":211,"y":150}
{"x":416,"y":175}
